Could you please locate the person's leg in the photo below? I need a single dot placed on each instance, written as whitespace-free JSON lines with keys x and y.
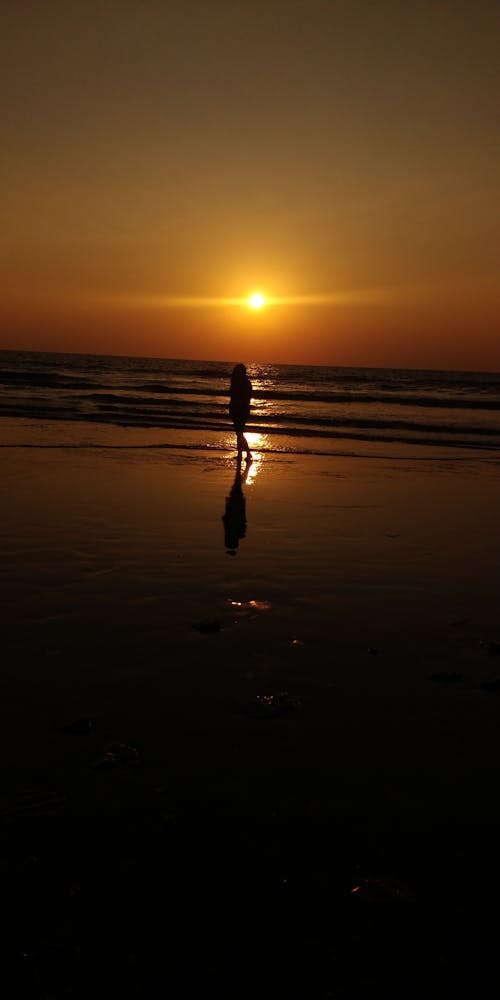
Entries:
{"x":241,"y":442}
{"x":245,"y":446}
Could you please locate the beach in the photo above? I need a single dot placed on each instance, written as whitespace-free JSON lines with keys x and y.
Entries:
{"x":304,"y":799}
{"x":249,"y":712}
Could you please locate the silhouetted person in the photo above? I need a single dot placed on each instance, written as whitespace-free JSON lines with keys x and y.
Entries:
{"x":239,"y":406}
{"x":234,"y":517}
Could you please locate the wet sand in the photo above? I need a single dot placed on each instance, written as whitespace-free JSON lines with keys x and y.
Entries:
{"x":341,"y":842}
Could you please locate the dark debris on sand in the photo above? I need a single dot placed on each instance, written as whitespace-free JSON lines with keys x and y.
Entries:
{"x":117,"y":755}
{"x":270,"y":706}
{"x":208,"y":625}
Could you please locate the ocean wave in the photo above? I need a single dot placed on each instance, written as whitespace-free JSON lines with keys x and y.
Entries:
{"x":378,"y":432}
{"x":311,"y":396}
{"x":46,"y":380}
{"x":147,"y":412}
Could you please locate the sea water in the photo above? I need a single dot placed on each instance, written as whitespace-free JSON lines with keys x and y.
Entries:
{"x":119,"y":401}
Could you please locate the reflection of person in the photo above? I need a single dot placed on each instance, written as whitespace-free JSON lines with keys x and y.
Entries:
{"x":239,"y":406}
{"x":234,"y":517}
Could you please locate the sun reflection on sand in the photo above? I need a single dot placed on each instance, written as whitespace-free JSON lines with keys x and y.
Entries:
{"x":257,"y":444}
{"x":251,"y":605}
{"x":255,"y":441}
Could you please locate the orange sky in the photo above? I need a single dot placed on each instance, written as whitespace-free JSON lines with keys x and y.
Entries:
{"x":204,"y":149}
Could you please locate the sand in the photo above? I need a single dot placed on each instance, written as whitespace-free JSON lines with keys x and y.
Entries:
{"x":344,"y":846}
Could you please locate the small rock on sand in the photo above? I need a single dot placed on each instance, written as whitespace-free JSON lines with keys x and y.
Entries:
{"x":117,"y":755}
{"x":208,"y":625}
{"x":269,"y":706}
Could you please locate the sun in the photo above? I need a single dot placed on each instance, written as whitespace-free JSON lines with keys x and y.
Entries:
{"x":256,"y":301}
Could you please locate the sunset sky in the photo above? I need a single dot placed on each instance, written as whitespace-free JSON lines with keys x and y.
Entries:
{"x":165,"y":159}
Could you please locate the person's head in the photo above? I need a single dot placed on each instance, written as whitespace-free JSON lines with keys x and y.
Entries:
{"x":239,"y":373}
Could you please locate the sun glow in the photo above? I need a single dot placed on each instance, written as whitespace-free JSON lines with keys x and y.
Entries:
{"x":256,"y":301}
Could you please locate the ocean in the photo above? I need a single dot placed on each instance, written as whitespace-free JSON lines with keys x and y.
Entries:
{"x":72,"y":400}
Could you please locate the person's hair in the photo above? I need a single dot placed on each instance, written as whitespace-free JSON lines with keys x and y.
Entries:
{"x":239,"y":373}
